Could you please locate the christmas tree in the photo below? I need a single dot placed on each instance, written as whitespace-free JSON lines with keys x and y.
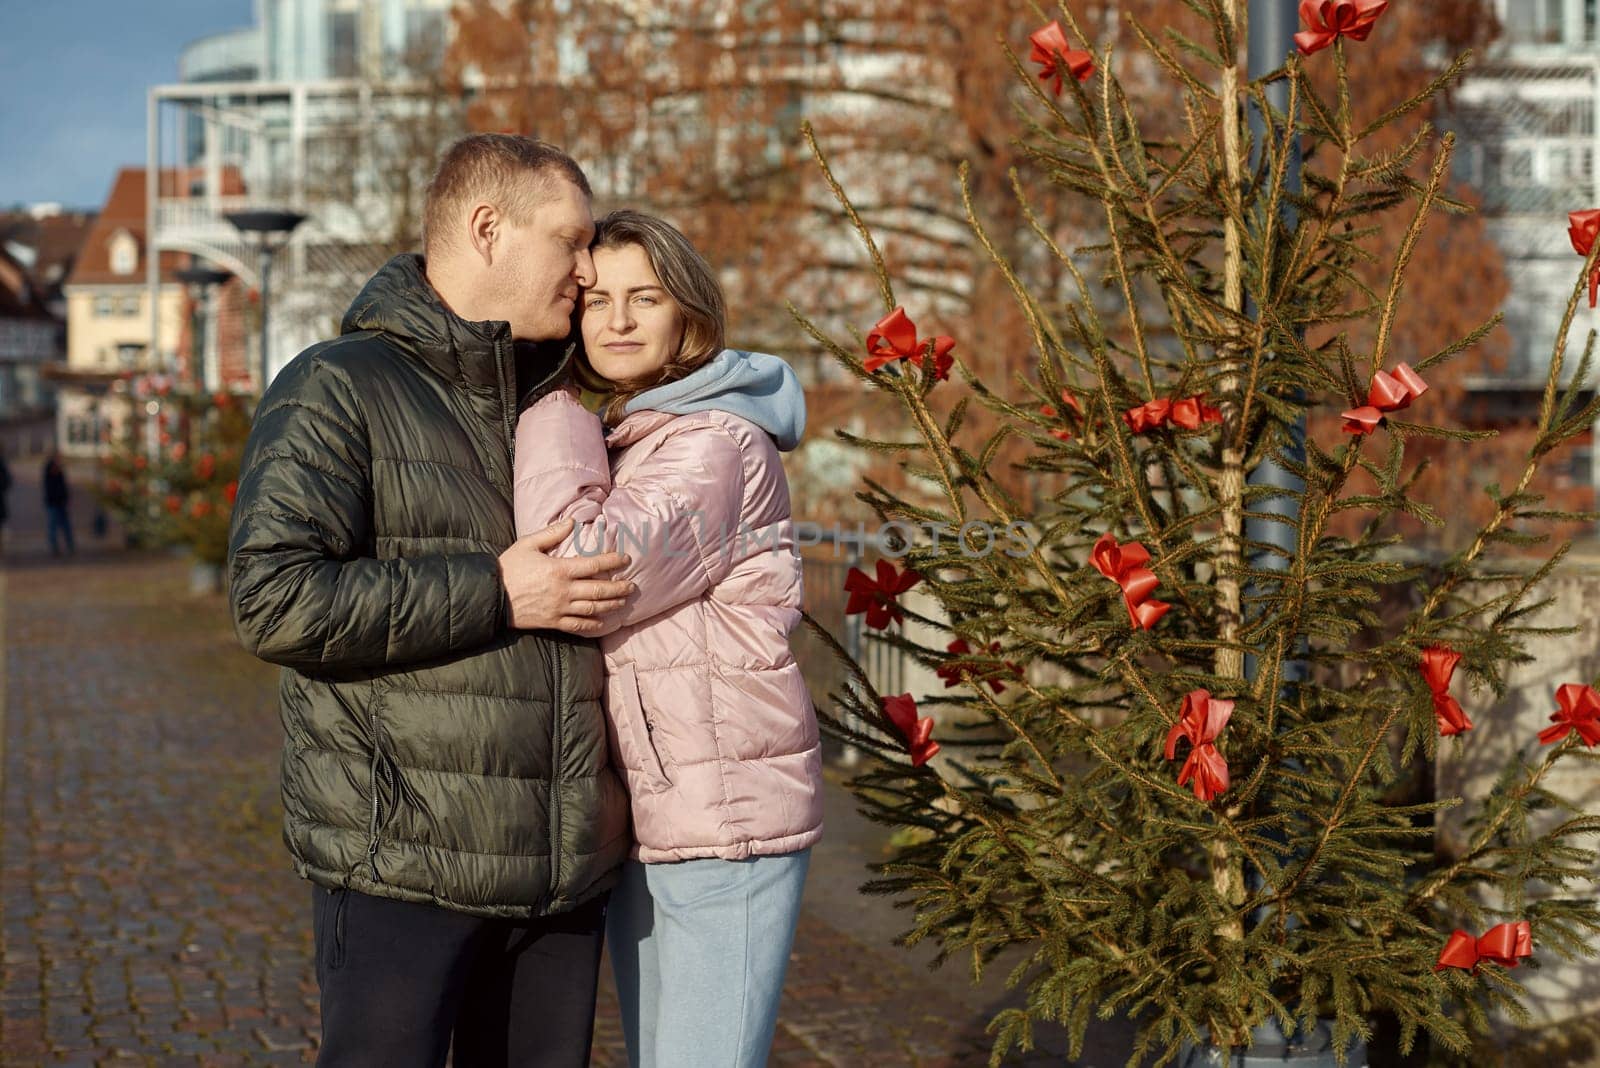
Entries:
{"x":1171,"y":766}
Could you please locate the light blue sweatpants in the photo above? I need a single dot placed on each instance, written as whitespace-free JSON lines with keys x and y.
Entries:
{"x":699,"y":949}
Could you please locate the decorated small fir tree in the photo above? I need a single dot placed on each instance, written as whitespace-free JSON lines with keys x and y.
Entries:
{"x":1171,"y":769}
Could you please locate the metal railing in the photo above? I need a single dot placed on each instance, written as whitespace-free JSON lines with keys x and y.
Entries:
{"x":825,"y":567}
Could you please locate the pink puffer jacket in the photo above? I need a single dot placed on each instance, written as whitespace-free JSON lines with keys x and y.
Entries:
{"x":709,"y":716}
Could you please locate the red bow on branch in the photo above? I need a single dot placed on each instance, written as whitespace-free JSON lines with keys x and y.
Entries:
{"x":952,"y":673}
{"x":1583,"y":227}
{"x":877,"y":598}
{"x":1049,"y":412}
{"x":1057,"y":59}
{"x":1504,"y":944}
{"x":1388,"y":393}
{"x":1201,"y":720}
{"x":917,"y":730}
{"x":895,"y":338}
{"x":1147,"y":416}
{"x":1189,"y":413}
{"x":1579,"y":711}
{"x":1328,"y":20}
{"x":1438,"y":665}
{"x":1124,"y":565}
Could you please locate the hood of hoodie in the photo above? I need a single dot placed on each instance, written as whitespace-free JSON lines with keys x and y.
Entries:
{"x":401,"y":303}
{"x":751,"y":385}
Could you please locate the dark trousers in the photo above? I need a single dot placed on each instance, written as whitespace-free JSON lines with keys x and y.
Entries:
{"x":59,"y":523}
{"x":398,"y":980}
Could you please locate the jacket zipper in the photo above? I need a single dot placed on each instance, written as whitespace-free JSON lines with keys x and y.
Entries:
{"x":507,"y":400}
{"x":372,"y":832}
{"x":555,"y":775}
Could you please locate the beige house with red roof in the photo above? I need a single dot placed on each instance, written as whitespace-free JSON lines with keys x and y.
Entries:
{"x":109,"y":317}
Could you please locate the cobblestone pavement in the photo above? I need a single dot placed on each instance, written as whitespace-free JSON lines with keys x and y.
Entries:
{"x":149,"y":914}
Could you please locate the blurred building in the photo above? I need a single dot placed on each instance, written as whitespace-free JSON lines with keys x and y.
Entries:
{"x":37,"y":248}
{"x":30,"y":340}
{"x":329,"y":108}
{"x":1529,"y":140}
{"x":45,"y":239}
{"x":109,"y":311}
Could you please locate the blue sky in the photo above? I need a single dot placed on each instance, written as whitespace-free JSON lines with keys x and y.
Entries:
{"x":73,"y":75}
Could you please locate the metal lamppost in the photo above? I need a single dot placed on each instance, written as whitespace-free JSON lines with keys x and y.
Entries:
{"x":203,"y":283}
{"x":267,"y":232}
{"x":1271,"y":39}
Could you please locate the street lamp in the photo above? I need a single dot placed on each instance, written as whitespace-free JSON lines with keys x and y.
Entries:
{"x":1271,"y":38}
{"x":267,"y":232}
{"x":202,"y":283}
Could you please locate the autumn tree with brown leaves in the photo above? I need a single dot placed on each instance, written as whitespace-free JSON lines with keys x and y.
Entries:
{"x":693,"y":109}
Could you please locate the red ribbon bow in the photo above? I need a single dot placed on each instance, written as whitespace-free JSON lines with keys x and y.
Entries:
{"x":895,"y":338}
{"x":1201,"y":720}
{"x":1056,"y":57}
{"x":1504,"y":944}
{"x":1147,"y":416}
{"x":1579,"y":711}
{"x":1190,"y":413}
{"x":1438,"y":665}
{"x":1049,"y":412}
{"x":952,"y":673}
{"x":917,"y":730}
{"x":1328,"y":20}
{"x":877,"y":598}
{"x":1124,"y":565}
{"x":1583,"y":227}
{"x":1388,"y":393}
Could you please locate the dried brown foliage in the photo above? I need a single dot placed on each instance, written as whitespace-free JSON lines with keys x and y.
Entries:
{"x":692,"y":109}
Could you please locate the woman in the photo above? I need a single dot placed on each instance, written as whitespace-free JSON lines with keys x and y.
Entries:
{"x":709,"y":716}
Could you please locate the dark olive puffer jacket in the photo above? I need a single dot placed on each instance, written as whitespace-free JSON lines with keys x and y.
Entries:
{"x":432,"y":754}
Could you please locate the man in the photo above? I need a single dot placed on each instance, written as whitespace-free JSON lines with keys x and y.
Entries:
{"x":57,"y":505}
{"x":446,"y":779}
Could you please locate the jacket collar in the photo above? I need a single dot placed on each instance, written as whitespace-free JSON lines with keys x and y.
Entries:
{"x":636,"y":425}
{"x":399,"y":302}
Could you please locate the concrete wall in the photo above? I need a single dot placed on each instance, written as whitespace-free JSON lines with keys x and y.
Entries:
{"x":1503,"y":728}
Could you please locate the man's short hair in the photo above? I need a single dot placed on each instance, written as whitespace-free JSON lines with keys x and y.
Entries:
{"x":494,"y":168}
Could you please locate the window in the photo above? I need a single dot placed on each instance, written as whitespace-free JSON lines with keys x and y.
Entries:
{"x":1546,"y":22}
{"x":128,"y":306}
{"x":344,"y":44}
{"x":124,"y":253}
{"x":425,"y":30}
{"x":104,"y":307}
{"x":1519,"y":166}
{"x":129,"y":352}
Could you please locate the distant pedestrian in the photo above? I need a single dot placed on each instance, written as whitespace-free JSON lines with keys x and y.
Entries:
{"x":5,"y":495}
{"x":57,"y":496}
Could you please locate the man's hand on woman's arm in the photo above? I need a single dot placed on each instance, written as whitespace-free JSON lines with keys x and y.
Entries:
{"x":568,"y":594}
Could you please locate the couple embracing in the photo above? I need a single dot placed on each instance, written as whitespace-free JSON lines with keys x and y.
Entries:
{"x":538,"y":694}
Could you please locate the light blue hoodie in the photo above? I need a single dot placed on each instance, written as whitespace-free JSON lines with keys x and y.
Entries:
{"x":752,"y":385}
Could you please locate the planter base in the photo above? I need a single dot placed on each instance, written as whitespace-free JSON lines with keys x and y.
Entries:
{"x":1269,"y":1047}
